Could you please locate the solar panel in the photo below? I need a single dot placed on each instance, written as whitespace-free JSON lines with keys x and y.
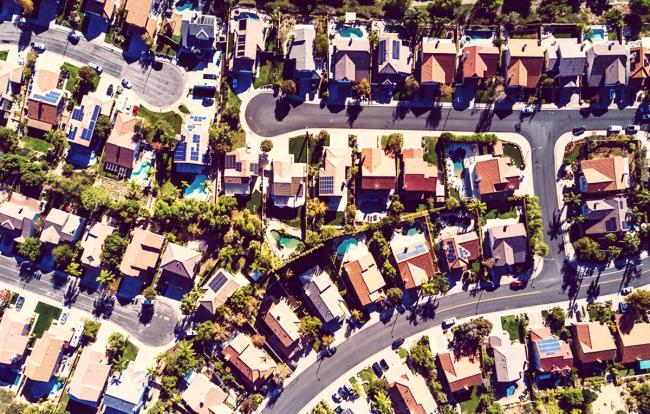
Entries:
{"x":96,"y":112}
{"x":190,"y":128}
{"x":395,"y":49}
{"x":86,"y":134}
{"x":451,"y":252}
{"x":179,"y":153}
{"x":73,"y":134}
{"x":463,"y":252}
{"x":254,"y":167}
{"x":78,"y":114}
{"x":51,"y":97}
{"x":218,"y":281}
{"x":549,"y":346}
{"x":326,"y":185}
{"x":419,"y":249}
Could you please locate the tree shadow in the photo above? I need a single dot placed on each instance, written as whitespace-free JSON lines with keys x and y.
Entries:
{"x":282,"y":109}
{"x":434,"y":118}
{"x":353,"y":110}
{"x":555,"y":225}
{"x":146,"y":314}
{"x":71,"y":294}
{"x":103,"y":306}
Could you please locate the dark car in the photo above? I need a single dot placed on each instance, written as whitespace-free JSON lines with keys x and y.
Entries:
{"x":398,"y":342}
{"x":336,"y":398}
{"x":20,"y":302}
{"x":383,"y":364}
{"x":377,"y":369}
{"x":329,"y":351}
{"x":579,"y":130}
{"x":517,"y":284}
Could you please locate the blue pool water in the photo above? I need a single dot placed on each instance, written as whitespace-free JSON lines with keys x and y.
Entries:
{"x":479,"y":34}
{"x":197,"y":188}
{"x":351,"y":32}
{"x":287,"y":242}
{"x":248,"y":15}
{"x":185,"y":5}
{"x":141,"y":175}
{"x":345,"y":246}
{"x":598,"y":34}
{"x":414,"y":230}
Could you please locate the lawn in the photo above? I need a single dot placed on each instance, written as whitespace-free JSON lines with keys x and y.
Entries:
{"x":8,"y":404}
{"x":255,"y":202}
{"x":573,"y":155}
{"x":46,"y":314}
{"x":130,"y":351}
{"x":287,"y":215}
{"x":403,"y":353}
{"x":512,"y":325}
{"x":505,"y":212}
{"x":171,"y":117}
{"x":73,"y":80}
{"x":334,"y":218}
{"x":514,"y":152}
{"x":367,"y":377}
{"x":4,"y":54}
{"x":298,"y":149}
{"x":470,"y":404}
{"x":430,"y":154}
{"x":36,"y":144}
{"x":268,"y":74}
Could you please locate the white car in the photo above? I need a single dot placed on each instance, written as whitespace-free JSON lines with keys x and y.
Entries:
{"x":614,"y":129}
{"x":449,"y":322}
{"x":627,"y":290}
{"x":73,"y":35}
{"x":528,"y":110}
{"x":126,"y":84}
{"x":632,"y":129}
{"x":98,"y":68}
{"x":38,"y":46}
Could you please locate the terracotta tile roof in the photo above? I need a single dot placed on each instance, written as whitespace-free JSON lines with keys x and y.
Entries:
{"x":480,"y":61}
{"x":254,"y":365}
{"x":219,"y":289}
{"x":180,"y":260}
{"x":285,"y":326}
{"x":461,"y":249}
{"x":409,"y":391}
{"x":496,"y":176}
{"x":508,"y":244}
{"x":142,"y":253}
{"x":14,"y":335}
{"x":90,"y":375}
{"x":633,"y":339}
{"x":42,"y":363}
{"x":639,"y":62}
{"x":378,"y":170}
{"x":439,"y":60}
{"x":593,"y":342}
{"x":605,"y":174}
{"x":92,"y":244}
{"x":461,"y":372}
{"x":19,"y":213}
{"x":121,"y":143}
{"x":203,"y":396}
{"x":104,"y":8}
{"x":137,"y":14}
{"x":552,"y":354}
{"x":364,"y":276}
{"x":413,"y":257}
{"x":526,"y":63}
{"x":288,"y":178}
{"x":605,"y":215}
{"x":419,"y":175}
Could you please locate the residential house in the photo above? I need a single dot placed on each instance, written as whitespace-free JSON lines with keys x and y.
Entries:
{"x":11,"y":79}
{"x":507,"y":245}
{"x":461,"y":250}
{"x":139,"y":261}
{"x":81,"y":128}
{"x":351,"y":60}
{"x":140,"y":18}
{"x":378,"y":170}
{"x":254,"y":365}
{"x":18,"y":215}
{"x":198,"y":32}
{"x":249,"y":39}
{"x":127,"y":391}
{"x":632,"y":340}
{"x":605,"y":215}
{"x":301,"y":53}
{"x":92,"y":244}
{"x":566,"y":60}
{"x":493,"y":178}
{"x":192,"y":152}
{"x":288,"y":182}
{"x":461,"y":372}
{"x":524,"y":61}
{"x":550,"y":354}
{"x":409,"y":391}
{"x":179,"y":265}
{"x":203,"y":396}
{"x":510,"y":359}
{"x":607,"y":65}
{"x":639,"y":63}
{"x":593,"y":342}
{"x":393,"y":59}
{"x":323,"y":296}
{"x":61,"y":227}
{"x":332,"y":177}
{"x":284,"y":326}
{"x":420,"y":179}
{"x":90,"y":376}
{"x":102,"y":8}
{"x":604,"y":175}
{"x":45,"y":102}
{"x":42,"y":363}
{"x":14,"y":335}
{"x":219,"y":289}
{"x":363,"y":276}
{"x":241,"y":170}
{"x":122,"y":146}
{"x":438,"y":61}
{"x":479,"y":63}
{"x":413,"y":257}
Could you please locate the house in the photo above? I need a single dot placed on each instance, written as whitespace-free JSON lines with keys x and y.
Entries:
{"x":301,"y":52}
{"x":461,"y":250}
{"x":607,"y":65}
{"x":14,"y":336}
{"x":333,"y":177}
{"x":632,"y":340}
{"x":139,"y":260}
{"x":605,"y":215}
{"x":127,"y":391}
{"x":409,"y":391}
{"x":140,"y":17}
{"x":90,"y":376}
{"x":510,"y":359}
{"x":102,"y":8}
{"x":18,"y":215}
{"x":288,"y":182}
{"x":566,"y":60}
{"x":507,"y":245}
{"x":203,"y":396}
{"x":198,"y":32}
{"x":493,"y":178}
{"x":219,"y":289}
{"x":254,"y":365}
{"x":438,"y":61}
{"x":413,"y":257}
{"x":351,"y":60}
{"x":393,"y":59}
{"x":461,"y":372}
{"x":378,"y":170}
{"x":42,"y":363}
{"x":122,"y":146}
{"x":61,"y":227}
{"x":179,"y":265}
{"x":323,"y":295}
{"x":92,"y":244}
{"x":45,"y":102}
{"x":639,"y":63}
{"x":479,"y":63}
{"x":191,"y":155}
{"x":81,"y":127}
{"x":550,"y":354}
{"x":593,"y":342}
{"x":524,"y":61}
{"x":11,"y":79}
{"x":284,"y":325}
{"x":420,"y":179}
{"x":363,"y":275}
{"x":249,"y":39}
{"x":604,"y":175}
{"x":241,"y":170}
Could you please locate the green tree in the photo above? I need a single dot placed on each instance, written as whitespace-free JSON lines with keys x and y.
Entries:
{"x":266,"y":145}
{"x":321,"y":46}
{"x":395,"y":142}
{"x":614,"y":17}
{"x":205,"y":333}
{"x":221,"y":138}
{"x":421,"y":358}
{"x":641,"y":395}
{"x":395,"y":9}
{"x":250,"y":403}
{"x":414,"y":19}
{"x":640,"y":7}
{"x":103,"y":128}
{"x":322,"y":408}
{"x":631,"y":243}
{"x":181,"y":360}
{"x":116,"y":343}
{"x":73,"y":270}
{"x":189,"y":300}
{"x":150,"y":293}
{"x":311,"y":327}
{"x":86,"y":79}
{"x":315,"y":209}
{"x":394,"y":295}
{"x":288,"y":87}
{"x":107,"y":279}
{"x":572,"y":398}
{"x":639,"y":301}
{"x":30,"y":249}
{"x":470,"y":336}
{"x":281,"y":373}
{"x":588,"y":249}
{"x":476,"y":207}
{"x":112,"y":251}
{"x":90,"y":330}
{"x":63,"y":254}
{"x":381,"y":404}
{"x":361,"y":89}
{"x":95,"y":199}
{"x":556,"y":318}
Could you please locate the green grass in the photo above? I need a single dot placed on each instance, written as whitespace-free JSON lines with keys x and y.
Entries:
{"x":592,"y":313}
{"x":130,"y":351}
{"x":512,"y":325}
{"x":36,"y":144}
{"x":430,"y":154}
{"x":453,"y":192}
{"x":403,"y":353}
{"x":46,"y":314}
{"x":626,"y":372}
{"x":4,"y":54}
{"x":268,"y":73}
{"x":255,"y":202}
{"x":469,"y":406}
{"x":367,"y":377}
{"x":506,"y":212}
{"x":171,"y":117}
{"x":573,"y":155}
{"x":334,"y":218}
{"x":298,"y":149}
{"x":514,"y":152}
{"x":73,"y":79}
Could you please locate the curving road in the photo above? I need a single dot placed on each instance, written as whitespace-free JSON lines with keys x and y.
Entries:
{"x":158,"y":85}
{"x":556,"y":282}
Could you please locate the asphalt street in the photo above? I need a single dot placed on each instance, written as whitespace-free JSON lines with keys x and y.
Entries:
{"x":557,"y":280}
{"x":159,"y":85}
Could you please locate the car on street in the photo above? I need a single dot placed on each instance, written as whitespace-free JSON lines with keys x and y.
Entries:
{"x":627,"y":290}
{"x":644,"y":109}
{"x":614,"y":129}
{"x":20,"y":302}
{"x":517,"y":284}
{"x":383,"y":364}
{"x":377,"y":369}
{"x":336,"y":398}
{"x":623,"y":307}
{"x":126,"y":84}
{"x":329,"y":351}
{"x":73,"y":36}
{"x":449,"y":322}
{"x":64,"y":317}
{"x":645,"y":117}
{"x":579,"y":130}
{"x":632,"y":129}
{"x":109,"y":91}
{"x":39,"y":47}
{"x":528,"y":110}
{"x":398,"y":342}
{"x":98,"y":68}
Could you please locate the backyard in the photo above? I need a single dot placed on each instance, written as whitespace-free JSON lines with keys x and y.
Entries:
{"x":171,"y":117}
{"x":471,"y":403}
{"x":430,"y":154}
{"x":36,"y":144}
{"x":46,"y":314}
{"x":502,"y":212}
{"x":7,"y":403}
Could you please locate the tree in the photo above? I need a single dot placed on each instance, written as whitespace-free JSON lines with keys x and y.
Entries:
{"x":476,"y":207}
{"x":112,"y":250}
{"x":250,"y":403}
{"x":641,"y":394}
{"x":326,"y":340}
{"x":86,"y":79}
{"x":421,"y":358}
{"x":614,"y":17}
{"x":470,"y":336}
{"x":487,"y":8}
{"x":310,"y":327}
{"x":323,"y":137}
{"x":27,"y":6}
{"x":357,"y":315}
{"x":556,"y":318}
{"x":221,"y":138}
{"x":361,"y":89}
{"x":150,"y":293}
{"x":321,"y":46}
{"x":437,"y":285}
{"x":640,"y":7}
{"x":414,"y":19}
{"x":639,"y":301}
{"x":189,"y":300}
{"x":63,"y":254}
{"x":445,"y":9}
{"x":394,"y":142}
{"x":90,"y":330}
{"x":281,"y":373}
{"x":588,"y":249}
{"x":258,"y":340}
{"x":381,"y":404}
{"x":446,"y":90}
{"x":323,"y":408}
{"x":30,"y":248}
{"x":73,"y":270}
{"x":204,"y":333}
{"x":394,"y":295}
{"x":396,"y":9}
{"x":95,"y":199}
{"x":116,"y":343}
{"x":266,"y":145}
{"x":373,"y":38}
{"x":499,"y":94}
{"x":631,"y":242}
{"x":288,"y":87}
{"x":315,"y":208}
{"x":107,"y":279}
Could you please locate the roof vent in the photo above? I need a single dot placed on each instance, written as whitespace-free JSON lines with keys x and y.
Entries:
{"x":524,"y":47}
{"x":611,"y":45}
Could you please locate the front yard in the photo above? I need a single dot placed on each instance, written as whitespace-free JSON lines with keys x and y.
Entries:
{"x":46,"y":314}
{"x":299,"y":150}
{"x":512,"y":325}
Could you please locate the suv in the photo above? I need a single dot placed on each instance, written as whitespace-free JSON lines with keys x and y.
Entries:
{"x":614,"y":129}
{"x":20,"y":302}
{"x":627,"y":290}
{"x":449,"y":322}
{"x":74,"y":36}
{"x":39,"y":47}
{"x":632,"y":129}
{"x":517,"y":284}
{"x":98,"y":68}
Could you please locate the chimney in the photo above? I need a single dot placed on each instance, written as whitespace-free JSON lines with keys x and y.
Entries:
{"x":524,"y":47}
{"x":611,"y":44}
{"x":437,"y":43}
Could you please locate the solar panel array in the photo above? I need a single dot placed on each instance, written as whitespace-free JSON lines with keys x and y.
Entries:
{"x":179,"y":153}
{"x":451,"y":251}
{"x":51,"y":97}
{"x":78,"y":114}
{"x":463,"y":252}
{"x":326,"y":185}
{"x":73,"y":133}
{"x":87,"y":133}
{"x":419,"y":249}
{"x":549,"y":346}
{"x":230,"y":161}
{"x":218,"y":281}
{"x":197,"y":118}
{"x":196,"y":138}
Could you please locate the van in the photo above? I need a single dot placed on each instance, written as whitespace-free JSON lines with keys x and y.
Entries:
{"x":614,"y":129}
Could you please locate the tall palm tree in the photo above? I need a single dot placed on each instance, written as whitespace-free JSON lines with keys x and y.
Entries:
{"x":476,"y":207}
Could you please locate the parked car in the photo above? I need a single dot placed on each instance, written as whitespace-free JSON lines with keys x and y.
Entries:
{"x":383,"y":364}
{"x":126,"y":84}
{"x":98,"y":68}
{"x":579,"y":130}
{"x":64,"y":317}
{"x":632,"y":129}
{"x":644,"y":109}
{"x":109,"y":91}
{"x":449,"y":322}
{"x":623,"y":307}
{"x":20,"y":302}
{"x":645,"y":117}
{"x":39,"y":47}
{"x":398,"y":342}
{"x":377,"y":369}
{"x":329,"y":351}
{"x":528,"y":110}
{"x":517,"y":284}
{"x":627,"y":290}
{"x":614,"y":129}
{"x":336,"y":398}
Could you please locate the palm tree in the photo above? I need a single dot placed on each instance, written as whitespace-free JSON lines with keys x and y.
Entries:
{"x":106,"y":278}
{"x":476,"y":207}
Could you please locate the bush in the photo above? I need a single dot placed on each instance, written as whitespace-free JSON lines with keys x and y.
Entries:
{"x":476,"y":138}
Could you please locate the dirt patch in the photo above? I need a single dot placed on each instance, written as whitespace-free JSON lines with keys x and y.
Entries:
{"x":609,"y":400}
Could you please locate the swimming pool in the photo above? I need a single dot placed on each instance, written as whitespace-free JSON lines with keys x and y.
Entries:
{"x":198,"y":188}
{"x":285,"y":241}
{"x":457,"y":157}
{"x":597,"y":34}
{"x":345,"y":245}
{"x":248,"y":15}
{"x":141,"y":174}
{"x":351,"y":32}
{"x":183,"y":5}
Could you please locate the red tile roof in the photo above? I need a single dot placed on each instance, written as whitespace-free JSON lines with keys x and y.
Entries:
{"x":495,"y":176}
{"x":480,"y":61}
